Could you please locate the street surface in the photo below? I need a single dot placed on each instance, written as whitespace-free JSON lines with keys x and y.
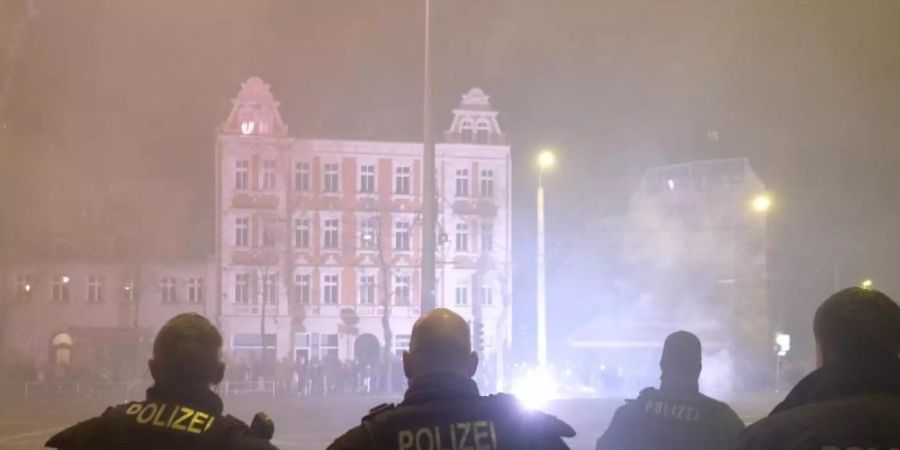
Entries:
{"x":303,"y":423}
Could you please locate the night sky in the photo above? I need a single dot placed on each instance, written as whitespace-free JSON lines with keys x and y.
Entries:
{"x":108,"y":97}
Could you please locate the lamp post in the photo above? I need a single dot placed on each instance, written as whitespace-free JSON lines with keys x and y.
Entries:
{"x":429,"y":200}
{"x":546,"y":160}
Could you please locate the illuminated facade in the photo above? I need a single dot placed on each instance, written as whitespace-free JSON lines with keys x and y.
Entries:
{"x":317,"y":237}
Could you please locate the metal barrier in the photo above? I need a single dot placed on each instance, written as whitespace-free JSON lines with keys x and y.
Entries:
{"x":249,"y":388}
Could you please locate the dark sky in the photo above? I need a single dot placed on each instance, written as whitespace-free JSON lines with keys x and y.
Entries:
{"x":125,"y":92}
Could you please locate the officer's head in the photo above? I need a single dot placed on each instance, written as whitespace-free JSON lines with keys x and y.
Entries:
{"x":188,"y":351}
{"x":857,"y":324}
{"x":681,"y":357}
{"x":440,"y":343}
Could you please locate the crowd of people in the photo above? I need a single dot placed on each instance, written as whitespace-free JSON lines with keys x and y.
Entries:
{"x":852,"y":400}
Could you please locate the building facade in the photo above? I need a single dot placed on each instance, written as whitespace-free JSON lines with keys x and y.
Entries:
{"x":318,"y":246}
{"x":319,"y":241}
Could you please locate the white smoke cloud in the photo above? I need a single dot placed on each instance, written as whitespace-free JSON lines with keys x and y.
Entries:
{"x":13,"y":47}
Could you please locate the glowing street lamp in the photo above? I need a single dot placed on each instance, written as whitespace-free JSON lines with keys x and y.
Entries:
{"x":546,"y":160}
{"x":65,"y":279}
{"x":866,"y":284}
{"x":762,"y":203}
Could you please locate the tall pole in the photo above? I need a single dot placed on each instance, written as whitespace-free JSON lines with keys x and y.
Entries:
{"x":541,"y":287}
{"x":429,"y":200}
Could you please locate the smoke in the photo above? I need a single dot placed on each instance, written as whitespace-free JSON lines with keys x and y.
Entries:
{"x":13,"y":47}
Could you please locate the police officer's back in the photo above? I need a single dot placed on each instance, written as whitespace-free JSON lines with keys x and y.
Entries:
{"x":677,"y":415}
{"x":442,"y":408}
{"x":180,"y":411}
{"x":853,"y":399}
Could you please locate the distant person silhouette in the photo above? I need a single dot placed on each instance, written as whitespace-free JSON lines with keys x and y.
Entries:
{"x":676,"y":416}
{"x":853,"y":399}
{"x":442,"y":408}
{"x":180,"y":412}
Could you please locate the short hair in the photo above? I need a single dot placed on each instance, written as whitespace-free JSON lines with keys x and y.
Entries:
{"x":188,"y":347}
{"x":682,"y":354}
{"x":858,"y":323}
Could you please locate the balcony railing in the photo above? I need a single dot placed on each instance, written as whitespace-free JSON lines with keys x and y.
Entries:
{"x":254,"y":201}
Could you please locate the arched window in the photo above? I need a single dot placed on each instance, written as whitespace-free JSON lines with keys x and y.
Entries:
{"x":466,"y":130}
{"x":62,"y":348}
{"x":483,"y":132}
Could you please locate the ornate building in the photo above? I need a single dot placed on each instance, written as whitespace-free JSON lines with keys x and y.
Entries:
{"x":319,"y":240}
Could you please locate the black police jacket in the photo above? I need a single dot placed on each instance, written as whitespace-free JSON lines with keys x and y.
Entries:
{"x":170,"y":418}
{"x":839,"y":406}
{"x":672,"y":418}
{"x":446,"y":412}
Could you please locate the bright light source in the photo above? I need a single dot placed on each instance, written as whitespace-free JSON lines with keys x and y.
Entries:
{"x":546,"y":159}
{"x":65,"y":279}
{"x":27,"y":288}
{"x":671,"y":185}
{"x":127,"y":288}
{"x":247,"y":127}
{"x":762,"y":203}
{"x":866,"y":284}
{"x":783,"y":341}
{"x":535,"y":389}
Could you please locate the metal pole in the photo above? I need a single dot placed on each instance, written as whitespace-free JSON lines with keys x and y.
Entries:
{"x":541,"y":287}
{"x":429,"y":200}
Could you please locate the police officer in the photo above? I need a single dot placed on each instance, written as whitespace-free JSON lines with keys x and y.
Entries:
{"x":180,"y":412}
{"x":677,"y":415}
{"x":442,"y":409}
{"x":853,"y":399}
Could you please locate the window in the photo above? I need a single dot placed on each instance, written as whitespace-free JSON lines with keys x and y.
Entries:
{"x":314,"y":346}
{"x":367,"y":179}
{"x":61,"y":289}
{"x":330,"y":290}
{"x":483,"y":133}
{"x":331,"y":178}
{"x":268,"y":175}
{"x":242,"y":174}
{"x":462,"y":182}
{"x":487,"y":296}
{"x":366,"y":289}
{"x":270,"y":288}
{"x":402,"y":175}
{"x":330,"y":234}
{"x":466,"y":129}
{"x":95,"y":289}
{"x":301,"y":288}
{"x":462,"y":294}
{"x":301,"y":232}
{"x":368,"y":233}
{"x":301,"y":177}
{"x":401,"y":343}
{"x":168,"y":290}
{"x":401,"y":290}
{"x":401,"y":235}
{"x":24,"y":286}
{"x":242,"y":232}
{"x":462,"y":237}
{"x":242,"y":288}
{"x":487,"y":183}
{"x":195,"y":290}
{"x":487,"y":237}
{"x":268,"y":233}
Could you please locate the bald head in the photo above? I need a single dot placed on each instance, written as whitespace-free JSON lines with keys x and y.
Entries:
{"x":440,"y":343}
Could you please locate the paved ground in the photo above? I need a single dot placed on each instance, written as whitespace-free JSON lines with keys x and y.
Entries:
{"x":302,"y":424}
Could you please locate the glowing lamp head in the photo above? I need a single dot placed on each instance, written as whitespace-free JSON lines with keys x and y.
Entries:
{"x":866,"y":284}
{"x":65,"y":279}
{"x":762,"y":203}
{"x":546,"y":159}
{"x":535,"y":389}
{"x":27,"y":288}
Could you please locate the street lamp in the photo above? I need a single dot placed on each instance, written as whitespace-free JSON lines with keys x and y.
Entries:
{"x":762,"y":203}
{"x":546,"y":160}
{"x":866,"y":284}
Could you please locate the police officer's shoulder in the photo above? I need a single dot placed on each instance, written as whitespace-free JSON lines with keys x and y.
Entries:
{"x":358,"y":437}
{"x":85,"y":434}
{"x":239,"y":434}
{"x":378,"y":410}
{"x":783,"y":430}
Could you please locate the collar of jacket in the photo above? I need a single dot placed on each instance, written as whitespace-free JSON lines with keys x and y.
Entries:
{"x":204,"y":399}
{"x":841,"y":380}
{"x":439,"y":386}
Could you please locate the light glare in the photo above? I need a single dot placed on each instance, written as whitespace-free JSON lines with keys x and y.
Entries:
{"x":762,"y":203}
{"x":546,"y":159}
